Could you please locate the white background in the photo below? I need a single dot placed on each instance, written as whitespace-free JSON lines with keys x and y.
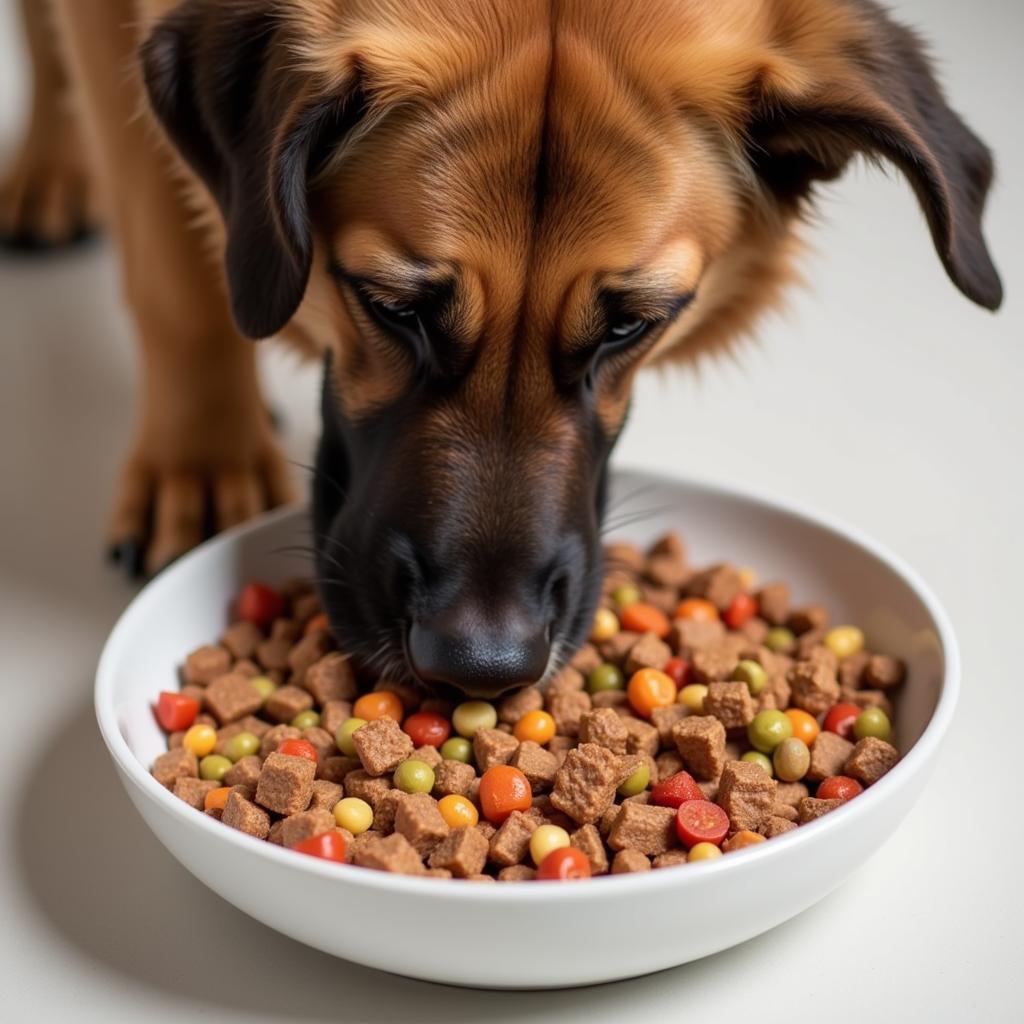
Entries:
{"x":882,"y":397}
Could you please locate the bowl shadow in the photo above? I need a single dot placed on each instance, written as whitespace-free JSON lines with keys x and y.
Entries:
{"x":110,"y":891}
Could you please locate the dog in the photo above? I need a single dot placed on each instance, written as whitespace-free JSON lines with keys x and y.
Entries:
{"x":484,"y":217}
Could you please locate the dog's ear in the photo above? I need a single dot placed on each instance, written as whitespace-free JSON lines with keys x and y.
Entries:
{"x":879,"y":97}
{"x":222,"y":82}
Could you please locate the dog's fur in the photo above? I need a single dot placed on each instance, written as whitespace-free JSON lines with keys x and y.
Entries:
{"x":524,"y":175}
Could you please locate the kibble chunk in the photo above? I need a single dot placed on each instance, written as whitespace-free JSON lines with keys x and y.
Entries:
{"x":641,"y":737}
{"x":285,"y":784}
{"x":829,"y":752}
{"x":538,"y":765}
{"x":664,"y":719}
{"x":585,"y":784}
{"x":205,"y":664}
{"x":492,"y":746}
{"x":453,"y":777}
{"x":510,"y":843}
{"x":244,"y":772}
{"x":175,"y":764}
{"x":370,"y":788}
{"x":588,"y":839}
{"x":286,"y":702}
{"x":330,"y":678}
{"x":629,"y":861}
{"x":232,"y":696}
{"x":719,"y":584}
{"x":245,"y":816}
{"x":746,"y":792}
{"x":606,"y":728}
{"x":325,"y":795}
{"x":883,"y":672}
{"x":418,"y":819}
{"x":305,"y":825}
{"x":381,"y":745}
{"x":566,"y":709}
{"x":193,"y":791}
{"x":644,"y":827}
{"x":870,"y":760}
{"x":811,"y":808}
{"x":700,"y":740}
{"x":463,"y":852}
{"x":647,"y":652}
{"x":393,"y":854}
{"x":513,"y":707}
{"x":813,"y":685}
{"x":730,"y":703}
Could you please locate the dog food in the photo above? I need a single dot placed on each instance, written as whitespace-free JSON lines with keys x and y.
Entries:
{"x":704,"y":715}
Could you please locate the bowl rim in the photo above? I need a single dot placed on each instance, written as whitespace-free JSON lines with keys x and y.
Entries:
{"x":624,"y":885}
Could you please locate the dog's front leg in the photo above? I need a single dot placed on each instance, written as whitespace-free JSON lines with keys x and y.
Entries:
{"x":204,"y":456}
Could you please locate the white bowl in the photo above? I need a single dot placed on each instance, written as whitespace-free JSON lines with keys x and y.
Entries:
{"x":543,"y":935}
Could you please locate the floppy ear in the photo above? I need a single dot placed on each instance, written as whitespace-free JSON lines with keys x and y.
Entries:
{"x":880,"y":98}
{"x":222,"y":82}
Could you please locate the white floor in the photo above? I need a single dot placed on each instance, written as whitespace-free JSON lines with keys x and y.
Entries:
{"x":883,"y":397}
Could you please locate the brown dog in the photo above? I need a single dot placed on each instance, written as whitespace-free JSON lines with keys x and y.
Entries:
{"x":486,"y":216}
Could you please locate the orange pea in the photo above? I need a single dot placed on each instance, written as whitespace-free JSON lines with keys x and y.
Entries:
{"x":216,"y":798}
{"x":698,"y":609}
{"x":504,"y":789}
{"x":315,"y":624}
{"x":537,"y":726}
{"x":379,"y":704}
{"x":805,"y":726}
{"x":644,"y":618}
{"x":649,"y":689}
{"x":457,"y":811}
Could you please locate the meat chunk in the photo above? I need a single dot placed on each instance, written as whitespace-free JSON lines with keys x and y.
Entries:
{"x":205,"y":664}
{"x":331,"y":678}
{"x":492,"y":746}
{"x":641,"y":736}
{"x":285,"y":784}
{"x":628,"y":861}
{"x":393,"y":854}
{"x":244,"y":772}
{"x":647,"y":652}
{"x":811,"y":808}
{"x":419,"y":820}
{"x":719,"y":584}
{"x":813,"y":685}
{"x":644,"y":827}
{"x":537,"y":764}
{"x":513,"y":707}
{"x":730,"y":703}
{"x":746,"y":792}
{"x":774,"y":825}
{"x":664,"y":719}
{"x":566,"y":709}
{"x":517,"y":873}
{"x":275,"y":736}
{"x":325,"y":795}
{"x":605,"y":728}
{"x":790,"y":793}
{"x":773,"y":603}
{"x":241,"y":638}
{"x":305,"y":825}
{"x":870,"y":759}
{"x":175,"y":764}
{"x":381,"y":745}
{"x":463,"y":852}
{"x":245,"y":816}
{"x":588,"y":839}
{"x":700,"y":740}
{"x":690,"y":635}
{"x":453,"y":777}
{"x":812,"y":618}
{"x":509,"y":844}
{"x":585,"y":784}
{"x":883,"y":672}
{"x":286,"y":702}
{"x":193,"y":791}
{"x":232,"y":696}
{"x":828,"y":755}
{"x":367,"y":787}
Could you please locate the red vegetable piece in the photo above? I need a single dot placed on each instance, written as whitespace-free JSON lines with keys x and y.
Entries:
{"x":298,"y":748}
{"x":427,"y":728}
{"x":175,"y":712}
{"x":840,"y":719}
{"x":564,"y":864}
{"x":676,"y":790}
{"x":259,"y":604}
{"x":327,"y":846}
{"x":678,"y":670}
{"x":701,"y":821}
{"x":742,"y":609}
{"x":839,"y":787}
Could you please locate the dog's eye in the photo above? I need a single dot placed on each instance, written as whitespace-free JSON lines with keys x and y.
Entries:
{"x":397,"y":316}
{"x":626,"y":330}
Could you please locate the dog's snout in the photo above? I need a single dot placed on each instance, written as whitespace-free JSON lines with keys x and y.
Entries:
{"x":482,"y":659}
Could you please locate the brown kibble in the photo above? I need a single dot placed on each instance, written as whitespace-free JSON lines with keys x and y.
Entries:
{"x":811,"y":808}
{"x":730,"y":703}
{"x":588,"y":839}
{"x":644,"y":827}
{"x":285,"y":783}
{"x":566,"y":709}
{"x":605,"y":728}
{"x":664,"y":720}
{"x":453,"y":777}
{"x":385,"y":810}
{"x":193,"y":791}
{"x":568,"y":681}
{"x":463,"y":852}
{"x":641,"y":737}
{"x":851,"y":669}
{"x":585,"y":784}
{"x":331,"y":679}
{"x":333,"y":714}
{"x":700,"y":740}
{"x":870,"y":759}
{"x":418,"y":819}
{"x":337,"y":768}
{"x":811,"y":618}
{"x":617,"y":647}
{"x":746,"y":792}
{"x":367,"y":787}
{"x":814,"y":686}
{"x":670,"y":859}
{"x":775,"y":825}
{"x":719,"y":584}
{"x":241,"y":639}
{"x":205,"y":664}
{"x":325,"y":795}
{"x":175,"y":764}
{"x":537,"y":764}
{"x":513,"y":707}
{"x":273,"y":654}
{"x":381,"y":745}
{"x":690,"y":635}
{"x":244,"y":772}
{"x":511,"y":841}
{"x":790,"y":793}
{"x":286,"y":702}
{"x":884,"y":673}
{"x":647,"y":652}
{"x":585,"y":660}
{"x":628,"y":861}
{"x":828,"y":755}
{"x":517,"y":873}
{"x":491,"y":747}
{"x":230,"y":697}
{"x":393,"y":854}
{"x":305,"y":825}
{"x":716,"y":662}
{"x":667,"y":764}
{"x":245,"y":816}
{"x":307,"y":652}
{"x":773,"y":603}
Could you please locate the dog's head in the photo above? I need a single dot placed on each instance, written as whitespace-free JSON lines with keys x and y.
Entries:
{"x":488,"y":217}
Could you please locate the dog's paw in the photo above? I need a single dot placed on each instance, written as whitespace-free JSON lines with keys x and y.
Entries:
{"x":47,"y":199}
{"x":161,"y":512}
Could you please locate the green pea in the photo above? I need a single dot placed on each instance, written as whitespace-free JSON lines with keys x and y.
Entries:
{"x":214,"y":767}
{"x":872,"y":722}
{"x":637,"y":782}
{"x":308,"y":719}
{"x":263,"y":685}
{"x":625,"y":595}
{"x":414,"y":776}
{"x":751,"y":673}
{"x":779,"y":639}
{"x":606,"y":677}
{"x":756,"y":757}
{"x":473,"y":715}
{"x":458,"y":748}
{"x":791,"y":759}
{"x":242,"y":744}
{"x":343,"y":736}
{"x":768,"y":730}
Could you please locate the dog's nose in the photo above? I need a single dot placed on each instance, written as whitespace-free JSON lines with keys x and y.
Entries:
{"x":480,"y":658}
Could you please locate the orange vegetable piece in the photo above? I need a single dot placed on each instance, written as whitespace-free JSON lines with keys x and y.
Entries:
{"x":742,"y":838}
{"x":317,"y":623}
{"x":216,"y":798}
{"x":698,"y":609}
{"x":458,"y":811}
{"x":379,"y":704}
{"x":805,"y":726}
{"x":644,"y":618}
{"x":504,"y":789}
{"x":537,"y":726}
{"x":649,"y":689}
